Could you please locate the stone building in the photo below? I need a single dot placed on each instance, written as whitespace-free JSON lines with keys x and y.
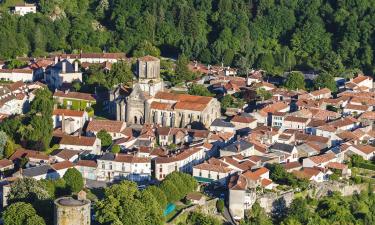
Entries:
{"x":147,"y":102}
{"x":70,"y":211}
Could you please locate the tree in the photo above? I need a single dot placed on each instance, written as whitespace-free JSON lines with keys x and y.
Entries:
{"x":123,"y":203}
{"x":21,"y":213}
{"x":116,"y":149}
{"x":105,"y":138}
{"x":9,"y":148}
{"x":295,"y":81}
{"x":264,"y":94}
{"x":170,"y":190}
{"x":74,"y":180}
{"x":182,"y":72}
{"x":43,"y":102}
{"x":121,"y":73}
{"x":325,"y":80}
{"x":199,"y":89}
{"x":159,"y":195}
{"x":15,"y":63}
{"x":146,"y":48}
{"x":27,"y":190}
{"x":3,"y":143}
{"x":257,"y":216}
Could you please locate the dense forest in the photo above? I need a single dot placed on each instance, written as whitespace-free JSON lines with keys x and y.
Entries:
{"x":335,"y":36}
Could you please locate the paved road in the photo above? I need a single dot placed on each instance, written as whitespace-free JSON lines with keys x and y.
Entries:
{"x":228,"y":217}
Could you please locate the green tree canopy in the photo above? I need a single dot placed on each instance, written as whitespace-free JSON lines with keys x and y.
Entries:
{"x":325,"y":80}
{"x":74,"y":180}
{"x":105,"y":138}
{"x":21,"y":213}
{"x":199,"y":89}
{"x":295,"y":81}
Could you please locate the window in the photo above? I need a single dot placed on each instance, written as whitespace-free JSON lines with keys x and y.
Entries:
{"x":217,"y":177}
{"x":209,"y":175}
{"x":69,"y":103}
{"x":200,"y":173}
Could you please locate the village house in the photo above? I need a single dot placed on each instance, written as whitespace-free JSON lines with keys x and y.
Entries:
{"x":40,"y":172}
{"x":114,"y":128}
{"x":360,"y":83}
{"x":367,"y":118}
{"x":62,"y":72}
{"x":87,"y":168}
{"x":74,"y":100}
{"x":366,"y":151}
{"x":208,"y":172}
{"x":182,"y":161}
{"x":278,"y":119}
{"x":34,"y":157}
{"x":264,"y":115}
{"x":290,"y":151}
{"x":355,"y":110}
{"x":69,"y":120}
{"x":167,"y":136}
{"x":312,"y":174}
{"x":24,"y":8}
{"x":238,"y":147}
{"x":5,"y":165}
{"x":242,"y":122}
{"x":321,"y":94}
{"x":62,"y":167}
{"x":94,"y":58}
{"x":91,"y":145}
{"x":319,"y":160}
{"x":61,"y":155}
{"x":296,"y":123}
{"x":122,"y":166}
{"x":219,"y":125}
{"x":14,"y":75}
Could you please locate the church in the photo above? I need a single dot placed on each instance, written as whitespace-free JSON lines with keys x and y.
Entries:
{"x":148,"y":102}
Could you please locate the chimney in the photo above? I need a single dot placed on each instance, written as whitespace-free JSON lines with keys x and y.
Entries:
{"x":63,"y":68}
{"x":81,"y":195}
{"x":76,"y":66}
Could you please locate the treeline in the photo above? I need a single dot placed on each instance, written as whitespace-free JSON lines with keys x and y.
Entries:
{"x":332,"y":36}
{"x":335,"y":209}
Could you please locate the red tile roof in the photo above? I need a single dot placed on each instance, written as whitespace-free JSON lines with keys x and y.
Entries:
{"x":77,"y":140}
{"x":62,"y":165}
{"x":86,"y":163}
{"x":107,"y":125}
{"x":74,"y":95}
{"x":68,"y":112}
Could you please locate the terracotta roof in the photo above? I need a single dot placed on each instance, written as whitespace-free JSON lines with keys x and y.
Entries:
{"x":321,"y":92}
{"x":131,"y":159}
{"x":162,"y":106}
{"x":265,"y":182}
{"x":68,"y":112}
{"x":74,"y":95}
{"x":292,"y":165}
{"x":65,"y":153}
{"x":360,"y":78}
{"x":25,"y":153}
{"x":367,"y":149}
{"x":343,"y":121}
{"x":112,"y":126}
{"x":77,"y":140}
{"x":148,"y":58}
{"x":357,"y":107}
{"x":62,"y":165}
{"x":212,"y":167}
{"x":336,"y":165}
{"x":273,"y":108}
{"x":237,"y":182}
{"x":242,"y":119}
{"x":86,"y":163}
{"x":296,"y":119}
{"x":24,"y":70}
{"x":184,"y":101}
{"x":370,"y":115}
{"x":318,"y":159}
{"x":181,"y":156}
{"x":5,"y":163}
{"x":256,"y":174}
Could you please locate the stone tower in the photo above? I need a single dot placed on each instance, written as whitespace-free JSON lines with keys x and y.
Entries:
{"x":70,"y":211}
{"x":148,"y":71}
{"x":148,"y":67}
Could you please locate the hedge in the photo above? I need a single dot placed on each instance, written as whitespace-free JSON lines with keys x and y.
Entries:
{"x":368,"y":166}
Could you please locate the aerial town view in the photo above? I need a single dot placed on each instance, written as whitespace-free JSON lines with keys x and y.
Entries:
{"x":187,"y":112}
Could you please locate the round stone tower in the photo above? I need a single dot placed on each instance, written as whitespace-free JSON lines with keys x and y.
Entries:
{"x":70,"y":211}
